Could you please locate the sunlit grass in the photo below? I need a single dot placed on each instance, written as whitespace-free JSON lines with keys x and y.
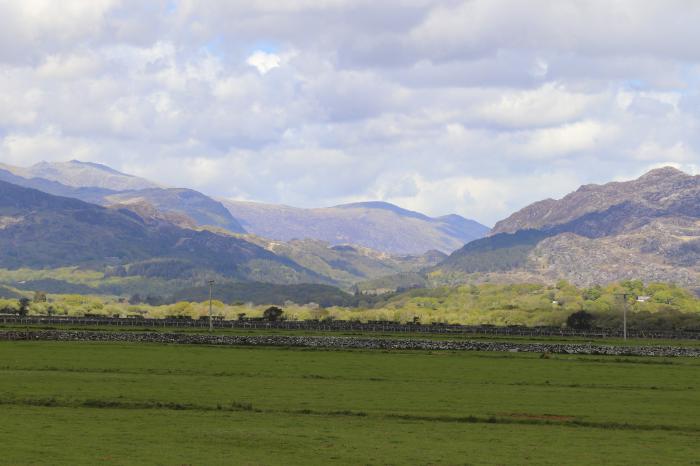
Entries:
{"x":157,"y":404}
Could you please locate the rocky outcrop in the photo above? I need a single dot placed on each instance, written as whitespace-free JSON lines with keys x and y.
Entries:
{"x":647,"y":229}
{"x":666,"y":191}
{"x":348,"y":343}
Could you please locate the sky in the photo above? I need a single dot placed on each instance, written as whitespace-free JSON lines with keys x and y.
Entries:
{"x":474,"y":107}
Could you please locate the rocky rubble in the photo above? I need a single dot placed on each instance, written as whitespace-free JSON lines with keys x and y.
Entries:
{"x":349,"y":343}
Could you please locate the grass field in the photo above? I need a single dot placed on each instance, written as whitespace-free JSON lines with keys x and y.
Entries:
{"x":104,"y":403}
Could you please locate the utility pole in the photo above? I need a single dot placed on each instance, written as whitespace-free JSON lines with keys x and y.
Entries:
{"x":624,"y":313}
{"x":211,"y":291}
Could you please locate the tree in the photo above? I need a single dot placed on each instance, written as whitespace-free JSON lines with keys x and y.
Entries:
{"x":24,"y":306}
{"x":580,"y":320}
{"x":563,"y":284}
{"x":273,"y":313}
{"x":154,"y":300}
{"x":39,"y":297}
{"x":591,"y":294}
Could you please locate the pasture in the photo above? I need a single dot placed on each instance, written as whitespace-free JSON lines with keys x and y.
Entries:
{"x":107,"y":403}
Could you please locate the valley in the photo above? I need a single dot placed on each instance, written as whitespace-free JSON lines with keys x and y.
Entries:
{"x":405,"y":232}
{"x":143,"y":248}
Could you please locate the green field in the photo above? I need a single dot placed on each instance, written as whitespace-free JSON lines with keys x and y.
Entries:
{"x":90,"y":403}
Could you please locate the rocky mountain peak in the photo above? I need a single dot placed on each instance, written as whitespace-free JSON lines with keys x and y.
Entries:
{"x":658,"y":189}
{"x":663,"y":173}
{"x":647,"y":229}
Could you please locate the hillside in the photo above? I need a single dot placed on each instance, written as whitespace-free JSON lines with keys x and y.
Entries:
{"x":648,"y":229}
{"x":42,"y":231}
{"x":88,"y":194}
{"x":267,"y":293}
{"x":78,"y":174}
{"x":64,"y":179}
{"x":39,"y":230}
{"x":348,"y":264}
{"x":201,"y":209}
{"x":406,"y":242}
{"x":376,"y":225}
{"x":660,"y":192}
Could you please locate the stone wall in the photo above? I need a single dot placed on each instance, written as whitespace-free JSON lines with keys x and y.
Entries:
{"x":347,"y":342}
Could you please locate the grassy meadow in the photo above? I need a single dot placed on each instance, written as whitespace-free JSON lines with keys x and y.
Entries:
{"x":105,"y":403}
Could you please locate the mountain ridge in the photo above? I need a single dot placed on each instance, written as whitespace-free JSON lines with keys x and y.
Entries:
{"x":647,"y":228}
{"x":40,"y":230}
{"x":77,"y":174}
{"x":647,"y":190}
{"x":197,"y":207}
{"x":377,"y":225}
{"x":374,"y":224}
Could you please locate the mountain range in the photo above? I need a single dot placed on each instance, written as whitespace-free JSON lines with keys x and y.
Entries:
{"x":107,"y":187}
{"x":647,"y":229}
{"x":165,"y":233}
{"x":39,"y":230}
{"x":376,"y":225}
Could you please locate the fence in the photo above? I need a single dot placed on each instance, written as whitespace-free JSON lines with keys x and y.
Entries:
{"x":347,"y":326}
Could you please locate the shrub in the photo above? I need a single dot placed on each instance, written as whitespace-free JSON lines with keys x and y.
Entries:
{"x":273,"y":313}
{"x":580,"y":320}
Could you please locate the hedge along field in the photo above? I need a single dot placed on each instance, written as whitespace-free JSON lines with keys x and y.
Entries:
{"x":94,"y":403}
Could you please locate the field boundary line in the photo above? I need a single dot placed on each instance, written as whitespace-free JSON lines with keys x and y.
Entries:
{"x":346,"y":342}
{"x":236,"y":406}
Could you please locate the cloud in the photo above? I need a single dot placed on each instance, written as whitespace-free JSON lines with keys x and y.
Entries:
{"x":263,"y":61}
{"x":476,"y":107}
{"x":548,"y":105}
{"x":562,"y":140}
{"x":24,"y":149}
{"x":674,"y":155}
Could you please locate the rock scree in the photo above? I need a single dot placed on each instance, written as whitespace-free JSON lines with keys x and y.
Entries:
{"x":346,"y":343}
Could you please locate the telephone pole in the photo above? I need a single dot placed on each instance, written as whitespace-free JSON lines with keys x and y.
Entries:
{"x":624,"y":312}
{"x":211,"y":291}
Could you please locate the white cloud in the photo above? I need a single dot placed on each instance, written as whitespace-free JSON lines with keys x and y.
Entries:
{"x":29,"y":28}
{"x":468,"y":28}
{"x":49,"y":144}
{"x":264,"y":61}
{"x":562,"y":140}
{"x":675,"y":154}
{"x":547,"y":105}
